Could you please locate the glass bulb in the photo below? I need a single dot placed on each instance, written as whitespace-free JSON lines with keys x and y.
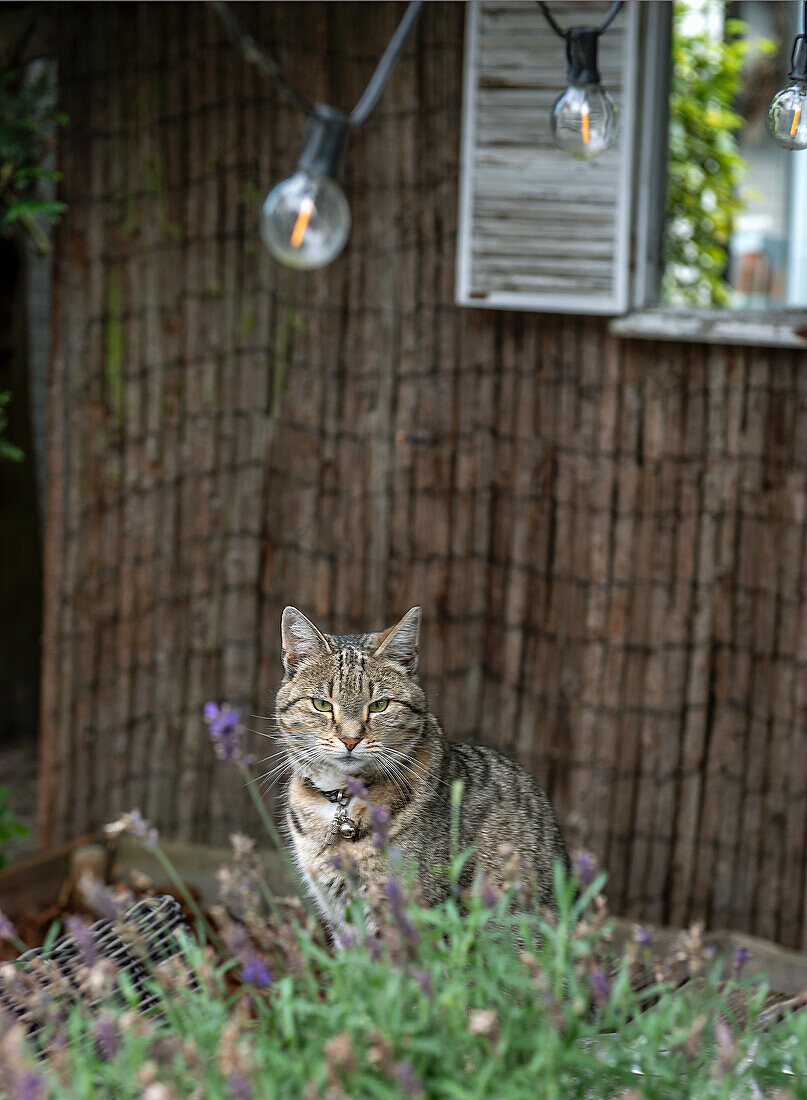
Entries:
{"x":787,"y":116}
{"x":305,"y":221}
{"x":584,"y":120}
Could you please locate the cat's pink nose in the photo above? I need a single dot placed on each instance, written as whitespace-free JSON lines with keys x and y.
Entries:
{"x":350,"y":742}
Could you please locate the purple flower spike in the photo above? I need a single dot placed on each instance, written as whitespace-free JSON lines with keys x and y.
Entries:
{"x":256,"y":971}
{"x":423,"y":979}
{"x":407,"y":1079}
{"x":238,"y":1087}
{"x":487,"y":895}
{"x":394,"y":892}
{"x":585,"y":867}
{"x":82,"y":937}
{"x":107,"y":1037}
{"x":356,"y":787}
{"x":643,"y":936}
{"x":225,"y":733}
{"x":373,"y":948}
{"x":600,"y":985}
{"x":28,"y":1086}
{"x":741,"y":957}
{"x":134,"y":824}
{"x":379,"y":823}
{"x":395,"y":897}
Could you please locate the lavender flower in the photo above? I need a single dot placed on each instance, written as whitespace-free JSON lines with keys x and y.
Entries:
{"x":238,"y":1087}
{"x":408,"y":1080}
{"x":256,"y":971}
{"x":585,"y":867}
{"x":28,"y":1085}
{"x":134,"y":824}
{"x":82,"y":937}
{"x":356,"y":787}
{"x":107,"y":1037}
{"x":379,"y":824}
{"x":487,"y":895}
{"x":642,"y":936}
{"x":394,"y":891}
{"x":7,"y":929}
{"x":741,"y":957}
{"x":600,"y":985}
{"x":395,"y":897}
{"x":423,"y":979}
{"x":225,"y":733}
{"x":373,"y":948}
{"x":236,"y":939}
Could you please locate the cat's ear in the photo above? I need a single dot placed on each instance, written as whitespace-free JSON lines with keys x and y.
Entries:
{"x":301,"y":640}
{"x":401,"y":643}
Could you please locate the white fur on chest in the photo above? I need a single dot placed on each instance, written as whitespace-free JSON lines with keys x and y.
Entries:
{"x":323,"y":810}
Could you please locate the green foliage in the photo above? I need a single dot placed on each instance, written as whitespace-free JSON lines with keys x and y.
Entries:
{"x":7,"y":450}
{"x":10,"y":825}
{"x":476,"y":999}
{"x":705,"y":167}
{"x":28,"y":115}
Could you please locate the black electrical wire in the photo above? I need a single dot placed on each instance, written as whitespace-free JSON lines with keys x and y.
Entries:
{"x":606,"y":23}
{"x":258,"y":56}
{"x":389,"y":59}
{"x":376,"y":85}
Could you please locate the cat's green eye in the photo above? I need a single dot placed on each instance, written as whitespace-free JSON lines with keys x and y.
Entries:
{"x":378,"y":705}
{"x":323,"y":705}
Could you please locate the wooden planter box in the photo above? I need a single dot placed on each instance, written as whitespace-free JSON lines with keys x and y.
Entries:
{"x":34,"y":883}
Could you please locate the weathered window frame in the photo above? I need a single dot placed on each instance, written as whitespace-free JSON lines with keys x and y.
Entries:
{"x":545,"y":301}
{"x":634,"y":309}
{"x":785,"y":327}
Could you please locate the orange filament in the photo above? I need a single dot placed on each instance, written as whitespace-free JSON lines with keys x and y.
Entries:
{"x":585,"y":124}
{"x":303,"y":218}
{"x":795,"y":121}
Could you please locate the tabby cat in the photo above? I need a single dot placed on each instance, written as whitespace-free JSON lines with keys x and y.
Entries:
{"x":351,"y":705}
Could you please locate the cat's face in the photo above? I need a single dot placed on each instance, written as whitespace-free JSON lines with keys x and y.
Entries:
{"x":350,"y":705}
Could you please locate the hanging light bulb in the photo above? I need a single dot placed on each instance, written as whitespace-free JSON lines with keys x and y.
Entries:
{"x":584,"y":118}
{"x":305,"y":220}
{"x":787,"y":113}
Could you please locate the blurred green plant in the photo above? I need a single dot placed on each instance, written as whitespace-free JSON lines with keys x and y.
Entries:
{"x":705,"y":167}
{"x":10,"y":824}
{"x":29,"y":116}
{"x":480,"y":996}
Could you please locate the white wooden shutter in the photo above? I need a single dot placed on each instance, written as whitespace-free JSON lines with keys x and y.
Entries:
{"x":539,"y":229}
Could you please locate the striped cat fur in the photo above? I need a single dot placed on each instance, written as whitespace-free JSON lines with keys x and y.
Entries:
{"x":351,"y":705}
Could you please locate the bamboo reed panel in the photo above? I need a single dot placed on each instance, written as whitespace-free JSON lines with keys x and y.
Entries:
{"x":609,"y":538}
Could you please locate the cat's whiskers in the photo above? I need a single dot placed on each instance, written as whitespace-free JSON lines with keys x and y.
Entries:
{"x":269,"y":736}
{"x":406,"y":764}
{"x":387,"y":769}
{"x":269,"y":778}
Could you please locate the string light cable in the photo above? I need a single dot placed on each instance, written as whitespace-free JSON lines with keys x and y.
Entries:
{"x":787,"y":113}
{"x":584,"y":117}
{"x":305,"y":220}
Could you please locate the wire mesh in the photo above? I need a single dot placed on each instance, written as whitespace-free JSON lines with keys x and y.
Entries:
{"x":134,"y":944}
